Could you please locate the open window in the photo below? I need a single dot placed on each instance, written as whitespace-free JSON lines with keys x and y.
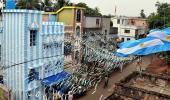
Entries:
{"x":33,"y":37}
{"x":78,"y":31}
{"x":78,"y":15}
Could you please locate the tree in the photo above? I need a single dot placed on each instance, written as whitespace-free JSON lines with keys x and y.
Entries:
{"x":47,"y":3}
{"x":161,"y":19}
{"x":60,"y":3}
{"x":29,"y":4}
{"x":89,"y":11}
{"x":155,"y":21}
{"x":142,"y":14}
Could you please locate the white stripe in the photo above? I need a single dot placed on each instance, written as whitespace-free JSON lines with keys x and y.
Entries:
{"x":22,"y":55}
{"x":138,"y":47}
{"x":160,"y":35}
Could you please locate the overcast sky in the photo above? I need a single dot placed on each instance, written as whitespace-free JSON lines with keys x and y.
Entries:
{"x":124,"y":7}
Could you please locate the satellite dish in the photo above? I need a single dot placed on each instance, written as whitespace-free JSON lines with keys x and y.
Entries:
{"x":48,"y":9}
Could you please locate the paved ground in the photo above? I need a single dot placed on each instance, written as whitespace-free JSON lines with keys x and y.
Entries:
{"x":102,"y":93}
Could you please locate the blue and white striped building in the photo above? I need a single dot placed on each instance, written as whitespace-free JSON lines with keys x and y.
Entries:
{"x":31,"y":51}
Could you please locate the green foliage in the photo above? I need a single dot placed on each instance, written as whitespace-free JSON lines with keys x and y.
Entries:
{"x":161,"y":19}
{"x":47,"y":3}
{"x":89,"y":11}
{"x":156,"y":21}
{"x":61,"y":3}
{"x":142,"y":14}
{"x":36,"y":5}
{"x":29,"y":4}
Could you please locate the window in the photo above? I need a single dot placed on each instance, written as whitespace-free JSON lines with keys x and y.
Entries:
{"x":136,"y":31}
{"x":97,"y":22}
{"x":128,"y":38}
{"x":132,"y":22}
{"x":105,"y":31}
{"x":78,"y":15}
{"x":123,"y":39}
{"x":122,"y":21}
{"x":32,"y":75}
{"x":118,"y":21}
{"x":127,"y":31}
{"x":78,"y":31}
{"x":33,"y":35}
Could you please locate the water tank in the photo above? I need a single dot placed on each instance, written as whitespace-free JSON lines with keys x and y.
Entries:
{"x":10,"y":4}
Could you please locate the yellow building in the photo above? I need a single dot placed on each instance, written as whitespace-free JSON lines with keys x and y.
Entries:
{"x":73,"y":18}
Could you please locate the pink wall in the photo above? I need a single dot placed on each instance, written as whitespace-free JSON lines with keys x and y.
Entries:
{"x":139,"y":22}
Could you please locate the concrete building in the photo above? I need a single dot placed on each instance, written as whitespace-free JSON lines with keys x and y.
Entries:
{"x":93,"y":24}
{"x":100,"y":26}
{"x":129,"y":28}
{"x":32,"y":52}
{"x":140,"y":22}
{"x":73,"y":19}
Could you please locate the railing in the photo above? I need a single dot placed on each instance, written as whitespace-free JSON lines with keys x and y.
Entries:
{"x":68,"y":28}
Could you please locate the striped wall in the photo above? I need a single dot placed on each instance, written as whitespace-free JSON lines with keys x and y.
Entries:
{"x":18,"y":56}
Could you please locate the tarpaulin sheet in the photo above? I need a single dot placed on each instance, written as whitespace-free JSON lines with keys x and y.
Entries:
{"x":55,"y":78}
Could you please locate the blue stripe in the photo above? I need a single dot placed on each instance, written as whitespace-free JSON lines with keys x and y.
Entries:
{"x":43,"y":48}
{"x":10,"y":43}
{"x":4,"y":46}
{"x":53,"y":49}
{"x":15,"y":30}
{"x":25,"y":54}
{"x":32,"y":50}
{"x":37,"y":48}
{"x":153,"y":49}
{"x":132,"y":43}
{"x":62,"y":59}
{"x":166,"y":31}
{"x":11,"y":49}
{"x":20,"y":54}
{"x":42,"y":55}
{"x":18,"y":32}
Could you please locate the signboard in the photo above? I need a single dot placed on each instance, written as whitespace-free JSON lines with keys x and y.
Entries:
{"x":5,"y":93}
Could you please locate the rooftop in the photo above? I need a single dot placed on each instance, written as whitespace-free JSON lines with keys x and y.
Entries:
{"x":138,"y":86}
{"x":21,"y":11}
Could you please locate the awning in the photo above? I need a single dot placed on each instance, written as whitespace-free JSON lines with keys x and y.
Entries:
{"x":35,"y":66}
{"x":55,"y":78}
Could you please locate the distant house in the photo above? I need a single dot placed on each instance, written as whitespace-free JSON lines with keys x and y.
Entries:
{"x":129,"y":28}
{"x":100,"y":25}
{"x":97,"y":24}
{"x":93,"y":24}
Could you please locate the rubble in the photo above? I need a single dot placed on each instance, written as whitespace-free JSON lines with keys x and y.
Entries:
{"x":142,"y":86}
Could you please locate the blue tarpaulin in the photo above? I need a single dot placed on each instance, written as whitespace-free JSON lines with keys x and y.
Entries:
{"x":10,"y":4}
{"x":55,"y":78}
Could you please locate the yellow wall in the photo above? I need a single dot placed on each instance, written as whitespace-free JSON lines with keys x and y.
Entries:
{"x":66,"y":16}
